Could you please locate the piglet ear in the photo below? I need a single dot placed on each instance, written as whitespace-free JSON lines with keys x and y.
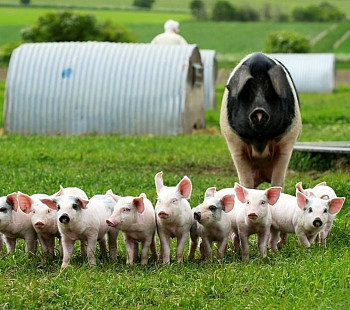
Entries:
{"x":12,"y":200}
{"x":60,"y":192}
{"x":50,"y":203}
{"x":83,"y":203}
{"x":321,"y":184}
{"x":210,"y":192}
{"x":158,"y":179}
{"x":241,"y":192}
{"x":335,"y":205}
{"x":272,"y":194}
{"x":228,"y":202}
{"x":185,"y":187}
{"x":301,"y":200}
{"x":299,"y":187}
{"x":138,"y":203}
{"x":25,"y":202}
{"x":114,"y":196}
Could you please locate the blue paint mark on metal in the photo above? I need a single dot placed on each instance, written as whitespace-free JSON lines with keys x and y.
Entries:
{"x":66,"y":73}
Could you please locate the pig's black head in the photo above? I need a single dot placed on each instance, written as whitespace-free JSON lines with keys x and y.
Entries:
{"x":260,"y":102}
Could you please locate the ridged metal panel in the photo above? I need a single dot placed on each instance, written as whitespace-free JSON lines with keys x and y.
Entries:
{"x":209,"y":79}
{"x":97,"y":87}
{"x":311,"y":73}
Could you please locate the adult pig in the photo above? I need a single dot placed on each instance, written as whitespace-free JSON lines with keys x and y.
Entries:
{"x":260,"y":119}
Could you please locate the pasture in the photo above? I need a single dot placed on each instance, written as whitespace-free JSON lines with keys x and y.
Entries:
{"x":183,"y":5}
{"x":294,"y":278}
{"x":232,"y":39}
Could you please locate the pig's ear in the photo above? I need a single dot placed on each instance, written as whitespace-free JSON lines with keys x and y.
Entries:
{"x":25,"y":202}
{"x":50,"y":203}
{"x":228,"y":202}
{"x":299,"y":187}
{"x":109,"y":192}
{"x":60,"y":192}
{"x":335,"y":205}
{"x":114,"y":196}
{"x":210,"y":192}
{"x":12,"y":200}
{"x":238,"y":80}
{"x":321,"y":184}
{"x":158,"y":179}
{"x":185,"y":187}
{"x":301,"y":200}
{"x":272,"y":194}
{"x":138,"y":203}
{"x":143,"y":195}
{"x":279,"y":81}
{"x":82,"y":202}
{"x":241,"y":192}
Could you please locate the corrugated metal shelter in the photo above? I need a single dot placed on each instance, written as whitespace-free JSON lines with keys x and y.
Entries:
{"x":210,"y":75}
{"x":311,"y":73}
{"x":105,"y":88}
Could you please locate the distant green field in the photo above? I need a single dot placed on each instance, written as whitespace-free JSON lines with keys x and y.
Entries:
{"x":275,"y":5}
{"x":225,"y":37}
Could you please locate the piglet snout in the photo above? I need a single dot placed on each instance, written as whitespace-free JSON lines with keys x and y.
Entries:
{"x":163,"y":215}
{"x":252,"y":216}
{"x":317,"y":222}
{"x":110,"y":222}
{"x":197,"y":216}
{"x":64,"y":218}
{"x":39,"y":224}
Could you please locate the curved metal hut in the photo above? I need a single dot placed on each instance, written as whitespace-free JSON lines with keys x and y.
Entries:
{"x":78,"y":88}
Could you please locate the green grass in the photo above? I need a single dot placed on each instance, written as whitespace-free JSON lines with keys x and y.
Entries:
{"x":276,"y":5}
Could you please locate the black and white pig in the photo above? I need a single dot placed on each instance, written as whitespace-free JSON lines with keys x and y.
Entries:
{"x":260,"y":119}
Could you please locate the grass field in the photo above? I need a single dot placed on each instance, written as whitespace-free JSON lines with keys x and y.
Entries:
{"x":283,"y":6}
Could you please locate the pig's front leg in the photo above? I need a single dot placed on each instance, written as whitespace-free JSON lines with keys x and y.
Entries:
{"x":222,"y":246}
{"x":60,"y":248}
{"x":45,"y":246}
{"x":103,"y":246}
{"x":208,"y":253}
{"x":130,"y":250}
{"x":181,"y":240}
{"x":164,"y":247}
{"x":262,"y":239}
{"x":10,"y":244}
{"x":154,"y":248}
{"x":280,"y":166}
{"x":303,"y":239}
{"x":193,"y":241}
{"x":274,"y":234}
{"x":244,"y":170}
{"x":112,"y":244}
{"x":83,"y":248}
{"x":145,"y":249}
{"x":244,"y":245}
{"x":91,"y":250}
{"x":31,"y":245}
{"x":283,"y":241}
{"x":68,"y":246}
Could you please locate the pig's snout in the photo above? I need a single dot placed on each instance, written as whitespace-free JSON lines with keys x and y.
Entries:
{"x":197,"y":216}
{"x":259,"y":117}
{"x":64,"y":218}
{"x":39,"y":224}
{"x":111,"y":222}
{"x":163,"y":215}
{"x":317,"y":222}
{"x":252,"y":216}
